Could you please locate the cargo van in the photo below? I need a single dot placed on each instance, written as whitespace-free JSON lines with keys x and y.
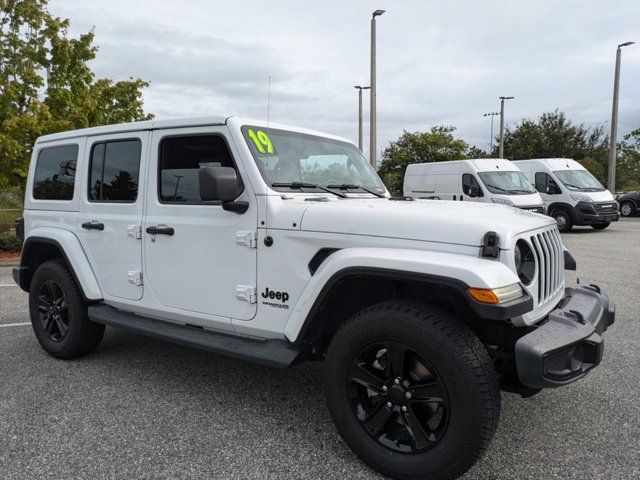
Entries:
{"x":488,"y":180}
{"x":571,"y":194}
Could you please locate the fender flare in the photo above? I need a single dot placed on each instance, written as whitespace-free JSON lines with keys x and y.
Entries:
{"x":453,"y":270}
{"x":73,"y":253}
{"x":565,"y":206}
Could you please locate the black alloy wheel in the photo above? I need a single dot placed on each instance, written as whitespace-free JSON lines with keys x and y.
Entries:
{"x":398,"y":397}
{"x":53,"y":310}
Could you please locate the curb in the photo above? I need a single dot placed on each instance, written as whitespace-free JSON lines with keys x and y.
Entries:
{"x":10,"y":262}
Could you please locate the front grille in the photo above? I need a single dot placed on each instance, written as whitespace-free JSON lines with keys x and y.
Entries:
{"x":534,"y":209}
{"x":547,"y":247}
{"x":609,"y":207}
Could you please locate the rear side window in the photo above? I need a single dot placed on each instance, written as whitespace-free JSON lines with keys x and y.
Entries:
{"x":114,"y":170}
{"x":55,"y":173}
{"x":180,"y":160}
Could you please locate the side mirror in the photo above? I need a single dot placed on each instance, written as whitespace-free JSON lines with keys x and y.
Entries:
{"x":222,"y":184}
{"x":474,"y":191}
{"x":552,"y":189}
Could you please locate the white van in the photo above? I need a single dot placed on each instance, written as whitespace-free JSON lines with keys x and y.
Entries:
{"x":571,"y":194}
{"x":489,"y":180}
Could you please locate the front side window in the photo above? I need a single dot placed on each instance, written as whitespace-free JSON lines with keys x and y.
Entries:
{"x":543,"y":180}
{"x":180,"y":160}
{"x":469,"y":181}
{"x":286,"y":157}
{"x":55,"y":173}
{"x":507,"y":182}
{"x":579,"y":180}
{"x":114,"y":170}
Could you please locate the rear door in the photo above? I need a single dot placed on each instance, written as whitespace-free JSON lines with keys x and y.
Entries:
{"x":111,"y":206}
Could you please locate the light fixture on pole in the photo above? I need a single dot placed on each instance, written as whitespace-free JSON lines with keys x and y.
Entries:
{"x":491,"y":114}
{"x":372,"y":102}
{"x":501,"y":147}
{"x":360,"y":113}
{"x":611,"y":180}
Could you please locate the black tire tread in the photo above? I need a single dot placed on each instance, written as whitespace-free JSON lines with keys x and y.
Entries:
{"x":445,"y":327}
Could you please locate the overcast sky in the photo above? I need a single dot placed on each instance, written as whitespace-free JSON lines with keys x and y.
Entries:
{"x":440,"y":62}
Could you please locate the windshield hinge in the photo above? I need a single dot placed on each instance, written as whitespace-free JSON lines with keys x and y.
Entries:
{"x":246,"y":293}
{"x":247,"y":238}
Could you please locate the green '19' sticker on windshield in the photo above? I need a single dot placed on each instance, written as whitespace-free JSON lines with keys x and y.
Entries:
{"x":262,"y":141}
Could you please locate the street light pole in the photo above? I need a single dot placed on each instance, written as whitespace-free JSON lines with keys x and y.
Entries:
{"x":372,"y":103}
{"x":611,"y":180}
{"x":501,"y":147}
{"x":360,"y":114}
{"x":491,"y":114}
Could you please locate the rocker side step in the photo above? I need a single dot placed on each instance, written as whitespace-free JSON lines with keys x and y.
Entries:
{"x":272,"y":353}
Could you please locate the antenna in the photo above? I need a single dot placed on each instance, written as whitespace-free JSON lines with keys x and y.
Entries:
{"x":268,"y":98}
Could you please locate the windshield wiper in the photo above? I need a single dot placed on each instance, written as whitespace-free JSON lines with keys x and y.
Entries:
{"x":570,"y":185}
{"x":301,"y":185}
{"x":497,"y":188}
{"x":517,"y":190}
{"x":347,"y":186}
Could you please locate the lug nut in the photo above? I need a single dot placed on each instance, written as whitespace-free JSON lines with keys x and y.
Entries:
{"x":389,"y":404}
{"x":384,"y":388}
{"x":408,"y":395}
{"x":404,"y":409}
{"x":396,"y":381}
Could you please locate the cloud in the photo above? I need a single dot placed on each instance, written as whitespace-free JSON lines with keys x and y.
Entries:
{"x":438,"y":62}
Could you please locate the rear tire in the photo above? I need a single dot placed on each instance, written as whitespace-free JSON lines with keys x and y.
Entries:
{"x":600,"y":226}
{"x":627,"y":209}
{"x":441,"y":360}
{"x":563,"y":219}
{"x":59,"y":314}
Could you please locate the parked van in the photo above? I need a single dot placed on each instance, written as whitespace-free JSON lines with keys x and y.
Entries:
{"x":571,"y":194}
{"x":488,"y":180}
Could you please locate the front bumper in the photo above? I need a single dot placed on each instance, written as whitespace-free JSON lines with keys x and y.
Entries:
{"x":594,"y":213}
{"x":568,"y":343}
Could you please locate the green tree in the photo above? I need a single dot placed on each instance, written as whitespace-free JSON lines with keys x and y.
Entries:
{"x":552,"y":135}
{"x":47,"y":86}
{"x":628,"y":164}
{"x":436,"y":145}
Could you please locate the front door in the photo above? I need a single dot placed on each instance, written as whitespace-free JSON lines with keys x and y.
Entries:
{"x":198,"y":256}
{"x":111,"y":211}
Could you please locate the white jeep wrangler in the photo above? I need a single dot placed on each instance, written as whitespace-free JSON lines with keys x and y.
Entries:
{"x":275,"y":245}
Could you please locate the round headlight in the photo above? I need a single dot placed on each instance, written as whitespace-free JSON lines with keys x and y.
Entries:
{"x":525,"y":262}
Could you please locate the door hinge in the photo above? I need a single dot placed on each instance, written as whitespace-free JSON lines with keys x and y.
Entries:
{"x":135,"y":231}
{"x":246,"y":293}
{"x":135,"y":277}
{"x":247,"y":238}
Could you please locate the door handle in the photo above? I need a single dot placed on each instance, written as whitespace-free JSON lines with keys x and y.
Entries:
{"x":160,"y":230}
{"x":93,"y":225}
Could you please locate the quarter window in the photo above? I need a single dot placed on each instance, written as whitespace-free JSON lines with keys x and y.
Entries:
{"x":55,"y":173}
{"x":114,"y":171}
{"x":180,"y":161}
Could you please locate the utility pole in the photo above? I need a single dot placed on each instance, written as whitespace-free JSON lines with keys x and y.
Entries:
{"x":501,"y":146}
{"x":611,"y":180}
{"x":360,"y":114}
{"x":491,"y":114}
{"x":372,"y":103}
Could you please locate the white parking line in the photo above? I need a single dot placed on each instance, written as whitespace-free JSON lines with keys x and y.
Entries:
{"x":9,"y":285}
{"x":15,"y":324}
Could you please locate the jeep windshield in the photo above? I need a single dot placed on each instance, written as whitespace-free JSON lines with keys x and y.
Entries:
{"x":509,"y":182}
{"x":579,"y":180}
{"x":298,"y":161}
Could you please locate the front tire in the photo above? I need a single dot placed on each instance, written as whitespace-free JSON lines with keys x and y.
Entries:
{"x":412,"y":391}
{"x":59,"y":314}
{"x":563,"y":219}
{"x":627,"y":209}
{"x":600,"y":226}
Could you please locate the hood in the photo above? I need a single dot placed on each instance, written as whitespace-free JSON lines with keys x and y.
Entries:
{"x":463,"y":223}
{"x":603,"y":196}
{"x":533,"y":199}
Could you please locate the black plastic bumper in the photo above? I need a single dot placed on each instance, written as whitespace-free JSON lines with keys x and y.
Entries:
{"x":568,"y":343}
{"x":591,"y":213}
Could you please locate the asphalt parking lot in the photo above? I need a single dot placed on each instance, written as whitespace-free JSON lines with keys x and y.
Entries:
{"x":140,"y":408}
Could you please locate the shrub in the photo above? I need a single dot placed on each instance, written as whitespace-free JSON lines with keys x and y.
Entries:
{"x":9,"y":242}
